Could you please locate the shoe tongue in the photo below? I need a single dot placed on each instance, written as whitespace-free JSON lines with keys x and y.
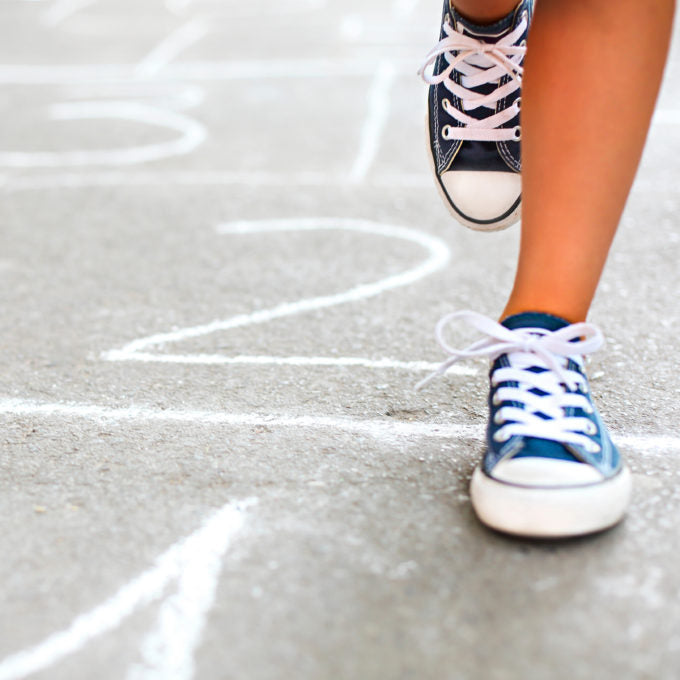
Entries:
{"x":534,"y":447}
{"x":547,"y":322}
{"x":544,"y":448}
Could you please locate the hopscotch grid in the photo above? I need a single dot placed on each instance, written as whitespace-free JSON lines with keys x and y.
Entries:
{"x":438,"y":255}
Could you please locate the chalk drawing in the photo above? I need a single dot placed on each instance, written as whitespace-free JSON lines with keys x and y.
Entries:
{"x":192,"y":134}
{"x":247,"y":69}
{"x":382,"y":429}
{"x":438,"y":255}
{"x":194,"y":564}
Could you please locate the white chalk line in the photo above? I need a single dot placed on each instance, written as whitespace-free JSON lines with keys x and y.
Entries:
{"x":438,"y":255}
{"x":73,"y":180}
{"x":192,"y":134}
{"x":376,"y":119}
{"x":301,"y":361}
{"x":281,"y":69}
{"x":381,"y":429}
{"x":276,"y":69}
{"x":171,"y":47}
{"x":168,"y":651}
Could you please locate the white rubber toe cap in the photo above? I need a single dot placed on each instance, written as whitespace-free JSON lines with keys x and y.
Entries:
{"x":485,"y":200}
{"x":545,"y":472}
{"x":549,"y":498}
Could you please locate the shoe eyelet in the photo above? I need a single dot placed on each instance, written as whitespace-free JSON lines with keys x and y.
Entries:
{"x":523,"y":43}
{"x":594,"y":448}
{"x":446,"y":131}
{"x":446,"y":105}
{"x":496,"y":400}
{"x":591,"y":429}
{"x":500,"y":436}
{"x":518,"y":104}
{"x":498,"y":419}
{"x":517,"y":134}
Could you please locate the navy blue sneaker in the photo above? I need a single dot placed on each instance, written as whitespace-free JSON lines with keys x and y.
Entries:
{"x":550,"y":468}
{"x":474,"y":116}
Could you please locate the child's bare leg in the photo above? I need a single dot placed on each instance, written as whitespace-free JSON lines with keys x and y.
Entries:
{"x":592,"y":74}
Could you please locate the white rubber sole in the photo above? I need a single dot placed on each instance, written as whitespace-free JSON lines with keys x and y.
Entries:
{"x":550,"y":511}
{"x":497,"y":225}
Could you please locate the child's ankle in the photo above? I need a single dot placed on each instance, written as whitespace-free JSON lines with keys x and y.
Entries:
{"x":487,"y":13}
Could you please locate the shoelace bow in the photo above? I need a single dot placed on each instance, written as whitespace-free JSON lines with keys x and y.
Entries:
{"x":526,"y":412}
{"x":479,"y":63}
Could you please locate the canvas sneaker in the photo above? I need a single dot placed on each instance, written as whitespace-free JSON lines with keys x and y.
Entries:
{"x":550,"y":468}
{"x":473,"y":122}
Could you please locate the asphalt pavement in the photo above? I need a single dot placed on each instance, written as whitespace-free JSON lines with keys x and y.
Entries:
{"x":222,"y":260}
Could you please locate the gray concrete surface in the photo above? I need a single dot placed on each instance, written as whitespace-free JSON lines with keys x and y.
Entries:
{"x":267,"y":497}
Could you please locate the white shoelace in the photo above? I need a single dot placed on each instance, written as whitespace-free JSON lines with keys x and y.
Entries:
{"x":479,"y":63}
{"x":539,"y":415}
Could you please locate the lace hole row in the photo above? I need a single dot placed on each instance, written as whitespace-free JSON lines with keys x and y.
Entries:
{"x":591,"y":429}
